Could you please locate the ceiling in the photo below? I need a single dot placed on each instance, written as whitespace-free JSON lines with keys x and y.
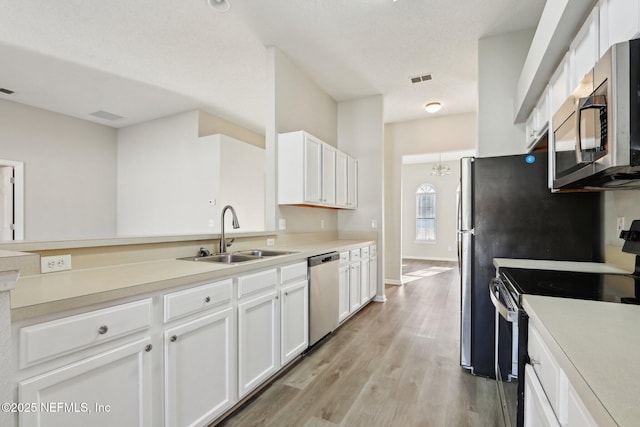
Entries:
{"x":145,"y":59}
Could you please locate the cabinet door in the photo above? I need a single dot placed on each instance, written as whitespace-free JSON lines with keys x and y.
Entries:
{"x":257,"y":341}
{"x":619,"y":21}
{"x":364,"y":281}
{"x":341,"y":179}
{"x":577,"y":413}
{"x":537,"y":410}
{"x":585,"y":49}
{"x":352,"y":183}
{"x":294,"y":320}
{"x":328,"y":174}
{"x":109,"y":389}
{"x":343,"y":295}
{"x":373,"y":277}
{"x":354,"y":286}
{"x":199,"y":367}
{"x":312,"y":170}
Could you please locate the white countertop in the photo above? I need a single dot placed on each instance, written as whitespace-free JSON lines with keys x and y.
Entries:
{"x":598,"y":346}
{"x":47,"y":293}
{"x":537,"y":264}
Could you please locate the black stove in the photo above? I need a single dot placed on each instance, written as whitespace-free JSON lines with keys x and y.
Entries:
{"x":619,"y":288}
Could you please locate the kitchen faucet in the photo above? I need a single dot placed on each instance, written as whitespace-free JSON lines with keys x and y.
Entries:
{"x":235,"y":223}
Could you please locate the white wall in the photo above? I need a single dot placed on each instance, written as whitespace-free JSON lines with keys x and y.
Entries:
{"x":167,"y":176}
{"x":432,"y":135}
{"x":70,"y":172}
{"x":296,"y":103}
{"x":445,"y":246}
{"x":361,"y":135}
{"x":500,"y":61}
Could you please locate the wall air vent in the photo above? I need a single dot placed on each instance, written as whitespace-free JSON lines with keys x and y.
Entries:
{"x":419,"y":79}
{"x":6,"y":91}
{"x":106,"y":115}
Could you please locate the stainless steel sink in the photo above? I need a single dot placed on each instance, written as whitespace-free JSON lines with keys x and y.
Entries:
{"x":222,"y":258}
{"x":263,"y":253}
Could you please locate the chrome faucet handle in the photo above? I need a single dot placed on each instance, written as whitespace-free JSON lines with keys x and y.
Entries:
{"x":204,"y":252}
{"x":230,"y":242}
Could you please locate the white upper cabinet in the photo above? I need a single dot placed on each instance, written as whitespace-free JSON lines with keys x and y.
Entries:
{"x":328,"y":174}
{"x":352,"y":183}
{"x":559,"y":85}
{"x":341,"y":179}
{"x":585,"y":49}
{"x":619,"y":20}
{"x":311,"y":172}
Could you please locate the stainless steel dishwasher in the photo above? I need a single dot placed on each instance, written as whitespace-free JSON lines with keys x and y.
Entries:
{"x":323,"y":295}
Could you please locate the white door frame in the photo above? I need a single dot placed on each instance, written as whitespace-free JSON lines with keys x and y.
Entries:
{"x":18,"y":197}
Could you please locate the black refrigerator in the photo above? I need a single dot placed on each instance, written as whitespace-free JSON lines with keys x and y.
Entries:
{"x":506,"y":210}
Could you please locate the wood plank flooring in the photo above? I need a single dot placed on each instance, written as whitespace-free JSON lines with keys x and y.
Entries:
{"x":392,"y":364}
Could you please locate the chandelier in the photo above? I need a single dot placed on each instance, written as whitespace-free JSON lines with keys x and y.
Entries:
{"x":440,"y":169}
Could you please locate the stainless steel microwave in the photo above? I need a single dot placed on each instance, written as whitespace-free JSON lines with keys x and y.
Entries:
{"x":596,"y":131}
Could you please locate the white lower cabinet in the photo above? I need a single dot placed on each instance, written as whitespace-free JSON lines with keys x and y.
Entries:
{"x":294,"y":320}
{"x":549,"y":397}
{"x":354,"y":286}
{"x":577,"y":414}
{"x":537,"y":409}
{"x":373,"y":276}
{"x":113,"y":388}
{"x":257,"y":341}
{"x":343,"y":292}
{"x":199,"y":369}
{"x":364,"y":280}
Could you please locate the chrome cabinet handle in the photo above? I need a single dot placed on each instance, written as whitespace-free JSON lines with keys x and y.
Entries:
{"x":148,"y":348}
{"x":207,"y":299}
{"x":103,"y":329}
{"x":173,"y":338}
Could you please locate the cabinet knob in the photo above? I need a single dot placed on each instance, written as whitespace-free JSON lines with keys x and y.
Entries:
{"x":148,"y":348}
{"x":286,"y":294}
{"x":173,"y":338}
{"x":103,"y":329}
{"x":207,"y":299}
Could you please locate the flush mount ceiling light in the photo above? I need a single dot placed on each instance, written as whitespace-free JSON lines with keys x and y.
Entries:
{"x":219,"y":5}
{"x":433,"y":107}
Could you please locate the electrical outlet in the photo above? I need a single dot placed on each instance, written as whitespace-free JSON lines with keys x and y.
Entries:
{"x":282,"y":224}
{"x":322,"y":223}
{"x":271,"y":242}
{"x":49,"y":264}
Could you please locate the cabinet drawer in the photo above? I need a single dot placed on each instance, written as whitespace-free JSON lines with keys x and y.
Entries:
{"x":364,"y":252}
{"x":51,"y":339}
{"x":355,"y":255}
{"x":547,"y":370}
{"x":344,"y":257}
{"x":256,"y":282}
{"x":373,"y":250}
{"x":293,"y":272}
{"x":178,"y":304}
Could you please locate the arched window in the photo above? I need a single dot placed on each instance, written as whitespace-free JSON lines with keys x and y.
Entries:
{"x":426,"y":213}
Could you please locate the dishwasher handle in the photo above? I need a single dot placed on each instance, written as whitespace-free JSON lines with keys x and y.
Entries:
{"x":323,"y":258}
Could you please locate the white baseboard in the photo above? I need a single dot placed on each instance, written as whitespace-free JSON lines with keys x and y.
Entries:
{"x":393,"y":282}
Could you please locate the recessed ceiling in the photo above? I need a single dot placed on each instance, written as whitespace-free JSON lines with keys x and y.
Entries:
{"x":144,"y":59}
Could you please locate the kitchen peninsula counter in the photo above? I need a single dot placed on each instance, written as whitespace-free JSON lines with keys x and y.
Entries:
{"x":42,"y":294}
{"x":596,"y":344}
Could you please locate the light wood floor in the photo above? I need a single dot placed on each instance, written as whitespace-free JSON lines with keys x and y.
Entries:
{"x":393,"y":364}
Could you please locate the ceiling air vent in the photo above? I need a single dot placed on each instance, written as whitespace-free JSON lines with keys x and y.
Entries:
{"x":6,"y":91}
{"x":419,"y":79}
{"x":106,"y":115}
